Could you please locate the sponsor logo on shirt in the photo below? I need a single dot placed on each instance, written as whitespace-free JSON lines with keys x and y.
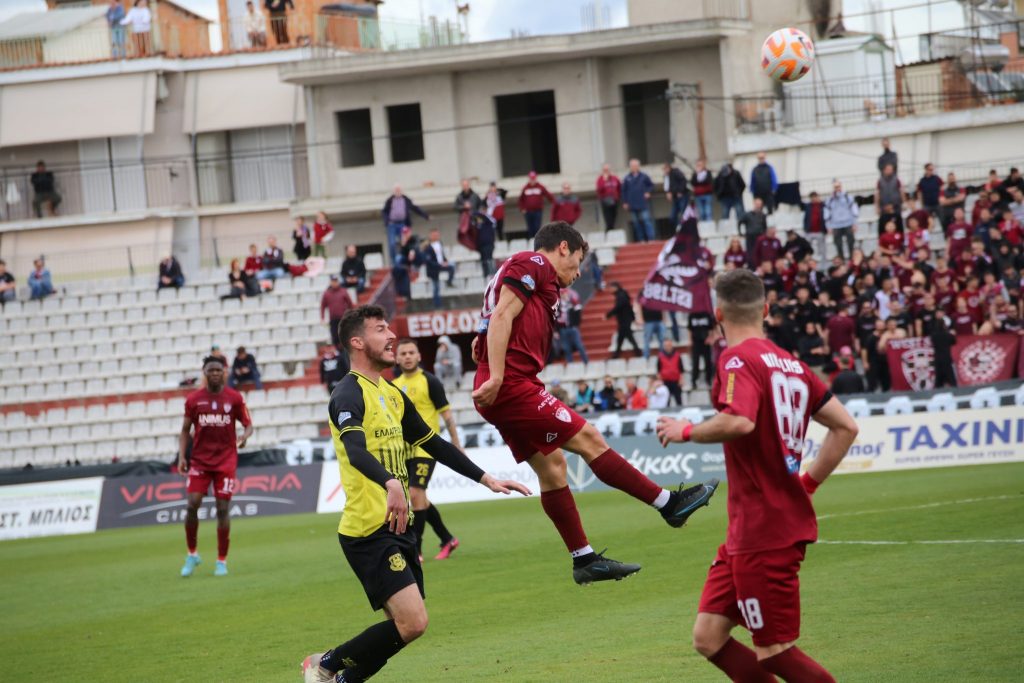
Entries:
{"x":539,"y":260}
{"x":528,"y":282}
{"x":734,"y":364}
{"x":214,"y":420}
{"x":552,"y":436}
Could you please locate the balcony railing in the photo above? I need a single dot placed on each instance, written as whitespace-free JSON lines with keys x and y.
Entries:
{"x":908,"y":93}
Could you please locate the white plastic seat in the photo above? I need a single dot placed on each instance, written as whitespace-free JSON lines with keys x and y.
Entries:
{"x":694,"y":415}
{"x":1018,"y":397}
{"x":609,"y":424}
{"x":898,"y":405}
{"x":489,"y":437}
{"x":858,"y":407}
{"x":646,"y":422}
{"x":986,"y":397}
{"x":944,"y":402}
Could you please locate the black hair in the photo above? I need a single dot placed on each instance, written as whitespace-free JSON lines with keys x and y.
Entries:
{"x":553,"y":234}
{"x":354,"y":320}
{"x":213,"y":359}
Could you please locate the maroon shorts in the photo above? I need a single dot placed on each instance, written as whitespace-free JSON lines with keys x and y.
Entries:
{"x":758,"y":590}
{"x":223,"y":482}
{"x":529,"y":418}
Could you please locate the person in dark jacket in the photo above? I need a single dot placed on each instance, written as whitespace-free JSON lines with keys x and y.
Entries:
{"x":467,"y":199}
{"x":242,"y":283}
{"x":407,"y":257}
{"x":796,"y":246}
{"x":700,"y":325}
{"x":764,"y":182}
{"x":44,"y":190}
{"x":278,"y":10}
{"x":334,"y":365}
{"x":752,"y":225}
{"x":729,"y":187}
{"x":887,"y":157}
{"x":353,"y":270}
{"x":435,"y":256}
{"x":676,"y":191}
{"x":170,"y":274}
{"x":636,"y":199}
{"x":622,"y":311}
{"x":943,"y":337}
{"x":848,"y":382}
{"x":397,"y":214}
{"x":486,"y":234}
{"x":302,"y":238}
{"x":244,"y":370}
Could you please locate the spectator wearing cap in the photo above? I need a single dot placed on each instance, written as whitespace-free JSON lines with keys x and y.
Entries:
{"x":397,"y":214}
{"x":841,"y":214}
{"x":335,"y":301}
{"x":272,"y":261}
{"x":566,"y":206}
{"x":40,"y":283}
{"x":531,"y":203}
{"x":353,"y":270}
{"x":244,"y":370}
{"x":609,"y":192}
{"x":636,"y":199}
{"x":170,"y":274}
{"x":8,"y":288}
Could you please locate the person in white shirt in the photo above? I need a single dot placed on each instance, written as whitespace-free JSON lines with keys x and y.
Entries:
{"x":255,"y":26}
{"x":140,"y":18}
{"x":657,"y":394}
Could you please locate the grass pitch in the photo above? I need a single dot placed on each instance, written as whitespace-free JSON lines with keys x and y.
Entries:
{"x":111,"y":606}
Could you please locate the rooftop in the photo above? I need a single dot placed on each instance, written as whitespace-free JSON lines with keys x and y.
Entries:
{"x":40,"y":24}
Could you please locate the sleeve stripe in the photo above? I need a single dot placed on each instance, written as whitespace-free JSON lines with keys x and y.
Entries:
{"x":352,"y":428}
{"x":423,"y":440}
{"x":516,"y":284}
{"x":444,"y":408}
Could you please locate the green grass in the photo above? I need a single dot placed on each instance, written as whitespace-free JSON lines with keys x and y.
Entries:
{"x":111,"y":607}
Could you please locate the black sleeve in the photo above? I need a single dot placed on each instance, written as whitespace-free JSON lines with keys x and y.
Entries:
{"x":360,"y":458}
{"x":447,"y":454}
{"x":436,"y":392}
{"x":824,"y":399}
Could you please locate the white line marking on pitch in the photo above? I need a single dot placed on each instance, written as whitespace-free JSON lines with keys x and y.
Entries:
{"x":945,"y":542}
{"x":924,"y":506}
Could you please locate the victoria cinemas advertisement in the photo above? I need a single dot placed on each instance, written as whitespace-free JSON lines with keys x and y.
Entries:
{"x":160,"y":499}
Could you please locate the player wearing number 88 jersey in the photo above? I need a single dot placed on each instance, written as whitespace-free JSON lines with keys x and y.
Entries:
{"x":765,"y":399}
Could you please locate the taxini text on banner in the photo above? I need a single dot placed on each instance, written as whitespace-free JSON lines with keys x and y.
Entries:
{"x":679,"y":280}
{"x":160,"y":499}
{"x":919,"y":440}
{"x":976,"y":359}
{"x":50,"y":508}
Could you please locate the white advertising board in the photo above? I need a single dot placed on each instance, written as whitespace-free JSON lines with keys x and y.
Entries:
{"x":50,"y":508}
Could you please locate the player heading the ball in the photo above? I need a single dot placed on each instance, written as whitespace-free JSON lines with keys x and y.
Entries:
{"x":517,"y":323}
{"x":765,"y":399}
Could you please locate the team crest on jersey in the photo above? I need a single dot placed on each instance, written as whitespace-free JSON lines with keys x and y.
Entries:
{"x":397,"y":562}
{"x":539,"y":260}
{"x":563,"y":415}
{"x":734,"y":364}
{"x":227,"y":407}
{"x":528,"y":282}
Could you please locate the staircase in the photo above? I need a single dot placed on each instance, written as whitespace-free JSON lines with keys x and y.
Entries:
{"x":632,"y":263}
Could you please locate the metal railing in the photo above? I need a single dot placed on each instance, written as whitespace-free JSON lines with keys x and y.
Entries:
{"x":910,"y":92}
{"x":97,"y":189}
{"x":266,"y":176}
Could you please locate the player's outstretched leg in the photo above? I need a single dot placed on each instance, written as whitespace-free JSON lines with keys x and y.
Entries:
{"x":192,"y":534}
{"x":559,"y":505}
{"x":223,"y":536}
{"x":675,"y":507}
{"x":367,"y":653}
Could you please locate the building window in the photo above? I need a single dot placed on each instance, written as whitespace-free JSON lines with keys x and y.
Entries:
{"x":405,"y":130}
{"x":356,"y":135}
{"x":645,"y":115}
{"x":527,"y":133}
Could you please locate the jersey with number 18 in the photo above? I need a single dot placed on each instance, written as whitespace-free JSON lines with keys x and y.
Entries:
{"x":768,"y":507}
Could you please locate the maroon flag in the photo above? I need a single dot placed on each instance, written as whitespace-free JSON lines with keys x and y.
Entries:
{"x":983,"y":360}
{"x":911,"y":364}
{"x":467,"y":231}
{"x":680,"y":280}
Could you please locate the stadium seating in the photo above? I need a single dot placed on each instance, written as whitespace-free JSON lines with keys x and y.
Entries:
{"x":944,"y":402}
{"x":985,"y":397}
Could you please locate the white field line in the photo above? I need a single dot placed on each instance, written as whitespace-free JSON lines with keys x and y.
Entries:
{"x":942,"y":542}
{"x":925,"y":506}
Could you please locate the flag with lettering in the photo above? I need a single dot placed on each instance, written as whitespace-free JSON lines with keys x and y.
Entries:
{"x":681,"y":278}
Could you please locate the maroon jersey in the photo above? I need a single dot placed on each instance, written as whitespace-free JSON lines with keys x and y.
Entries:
{"x":532,"y":278}
{"x":768,"y":507}
{"x":213,"y":415}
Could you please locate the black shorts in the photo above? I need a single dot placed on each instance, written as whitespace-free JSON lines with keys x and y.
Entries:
{"x":420,"y":472}
{"x":384,"y":562}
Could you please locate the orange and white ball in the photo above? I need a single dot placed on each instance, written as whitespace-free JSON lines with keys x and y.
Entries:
{"x":787,"y":55}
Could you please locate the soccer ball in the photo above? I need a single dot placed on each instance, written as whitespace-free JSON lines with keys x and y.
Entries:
{"x":787,"y":55}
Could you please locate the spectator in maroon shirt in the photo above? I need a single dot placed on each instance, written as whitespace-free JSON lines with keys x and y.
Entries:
{"x":963,"y":320}
{"x":531,"y":203}
{"x":972,"y":296}
{"x":735,"y":256}
{"x":891,"y":242}
{"x":609,"y":191}
{"x":335,"y":301}
{"x":841,"y":330}
{"x":566,"y":206}
{"x":959,"y":235}
{"x":814,"y":223}
{"x":253,"y":262}
{"x":768,"y":247}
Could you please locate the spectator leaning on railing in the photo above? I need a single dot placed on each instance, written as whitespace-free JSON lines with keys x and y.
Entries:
{"x":255,"y":26}
{"x":115,"y":13}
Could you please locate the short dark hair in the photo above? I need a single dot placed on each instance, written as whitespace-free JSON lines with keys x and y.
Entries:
{"x":354,"y":320}
{"x":553,"y":234}
{"x":213,"y":359}
{"x":408,"y":340}
{"x":740,"y":296}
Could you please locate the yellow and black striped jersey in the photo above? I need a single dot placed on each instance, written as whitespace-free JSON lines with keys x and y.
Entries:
{"x":393,"y":431}
{"x":426,"y":392}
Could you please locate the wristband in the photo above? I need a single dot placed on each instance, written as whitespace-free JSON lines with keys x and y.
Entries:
{"x":809,"y":484}
{"x":686,"y":432}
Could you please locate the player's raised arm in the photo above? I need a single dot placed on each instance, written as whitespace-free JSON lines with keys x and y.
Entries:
{"x":842,"y":430}
{"x":498,"y":332}
{"x":417,"y":433}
